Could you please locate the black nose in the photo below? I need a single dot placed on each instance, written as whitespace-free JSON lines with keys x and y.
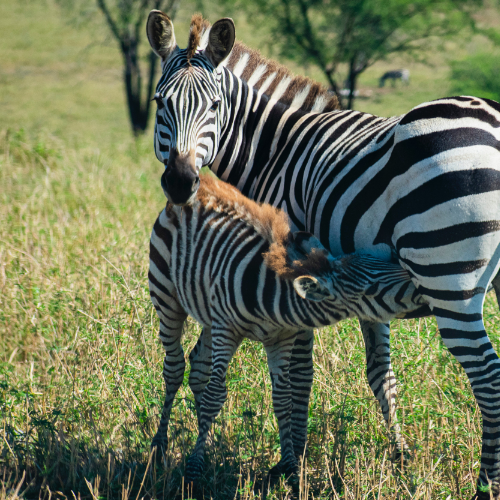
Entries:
{"x":179,"y":187}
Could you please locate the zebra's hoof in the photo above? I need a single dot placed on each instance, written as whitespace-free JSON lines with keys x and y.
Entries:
{"x":159,"y":448}
{"x":488,"y":495}
{"x":481,"y":495}
{"x":158,"y":454}
{"x":289,"y":470}
{"x":194,"y":468}
{"x":401,"y":457}
{"x":484,"y":495}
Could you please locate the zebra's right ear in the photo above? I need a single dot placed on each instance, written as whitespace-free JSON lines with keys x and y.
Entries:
{"x":160,"y":31}
{"x":220,"y":40}
{"x":309,"y":288}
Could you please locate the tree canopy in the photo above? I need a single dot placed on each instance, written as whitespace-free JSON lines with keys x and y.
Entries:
{"x":327,"y":33}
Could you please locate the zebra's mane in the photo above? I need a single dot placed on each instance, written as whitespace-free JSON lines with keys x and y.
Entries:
{"x":296,"y":91}
{"x":268,"y":221}
{"x":259,"y":72}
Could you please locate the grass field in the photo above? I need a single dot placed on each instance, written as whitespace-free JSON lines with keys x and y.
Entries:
{"x":80,"y":363}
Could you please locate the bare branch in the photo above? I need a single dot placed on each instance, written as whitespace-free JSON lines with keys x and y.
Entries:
{"x":111,"y":23}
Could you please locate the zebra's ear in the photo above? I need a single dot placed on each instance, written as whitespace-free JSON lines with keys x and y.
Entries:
{"x":310,"y":288}
{"x":303,"y":243}
{"x":220,"y":40}
{"x":160,"y":31}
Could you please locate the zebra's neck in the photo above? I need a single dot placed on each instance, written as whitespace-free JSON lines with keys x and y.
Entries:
{"x":239,"y":151}
{"x":252,"y":133}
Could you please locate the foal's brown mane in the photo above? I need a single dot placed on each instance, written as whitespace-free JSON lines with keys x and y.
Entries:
{"x":270,"y":222}
{"x":317,"y":95}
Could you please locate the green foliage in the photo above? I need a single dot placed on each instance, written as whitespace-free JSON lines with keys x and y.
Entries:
{"x":477,"y":75}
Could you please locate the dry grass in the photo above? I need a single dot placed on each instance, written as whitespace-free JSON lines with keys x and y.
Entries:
{"x":80,"y":364}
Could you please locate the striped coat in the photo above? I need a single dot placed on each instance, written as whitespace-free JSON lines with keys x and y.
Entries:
{"x":235,"y":267}
{"x":420,"y":189}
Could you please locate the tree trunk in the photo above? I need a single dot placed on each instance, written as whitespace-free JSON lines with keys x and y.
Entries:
{"x":353,"y":76}
{"x":138,"y":105}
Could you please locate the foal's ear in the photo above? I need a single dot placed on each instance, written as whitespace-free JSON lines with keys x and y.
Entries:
{"x":302,"y":244}
{"x":220,"y":40}
{"x":310,"y":288}
{"x":160,"y":31}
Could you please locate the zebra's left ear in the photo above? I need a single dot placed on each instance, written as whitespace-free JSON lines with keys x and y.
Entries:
{"x":310,"y":288}
{"x":220,"y":41}
{"x":303,"y":243}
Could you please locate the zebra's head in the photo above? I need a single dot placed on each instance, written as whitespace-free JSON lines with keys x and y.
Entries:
{"x":191,"y":111}
{"x":368,"y":287}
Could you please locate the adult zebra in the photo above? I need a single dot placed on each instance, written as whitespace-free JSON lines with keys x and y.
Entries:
{"x":421,"y":189}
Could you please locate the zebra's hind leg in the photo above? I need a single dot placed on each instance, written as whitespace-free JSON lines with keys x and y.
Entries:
{"x":301,"y":379}
{"x":225,"y":342}
{"x":278,"y":358}
{"x":382,"y":379}
{"x":462,"y":330}
{"x":200,"y":359}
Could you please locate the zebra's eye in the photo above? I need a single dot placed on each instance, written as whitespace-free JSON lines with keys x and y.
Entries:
{"x":158,"y":98}
{"x":215,"y":104}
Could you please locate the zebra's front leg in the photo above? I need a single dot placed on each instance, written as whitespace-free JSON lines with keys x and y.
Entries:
{"x":381,"y":377}
{"x":301,"y":379}
{"x":173,"y":374}
{"x":200,"y":359}
{"x":278,"y":358}
{"x":225,"y":342}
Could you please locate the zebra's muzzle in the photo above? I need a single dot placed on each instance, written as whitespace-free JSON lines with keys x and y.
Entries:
{"x":179,"y":189}
{"x":180,"y":181}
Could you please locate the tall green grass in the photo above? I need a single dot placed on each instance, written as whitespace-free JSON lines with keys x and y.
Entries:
{"x":80,"y":363}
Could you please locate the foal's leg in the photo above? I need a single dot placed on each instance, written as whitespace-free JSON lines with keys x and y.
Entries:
{"x":225,"y":342}
{"x":201,"y":366}
{"x":172,"y":318}
{"x":278,"y":359}
{"x":381,"y":377}
{"x":301,"y":379}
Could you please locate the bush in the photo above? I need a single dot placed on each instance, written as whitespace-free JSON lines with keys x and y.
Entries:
{"x":477,"y":75}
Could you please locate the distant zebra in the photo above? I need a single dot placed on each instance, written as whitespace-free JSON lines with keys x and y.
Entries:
{"x":421,"y":189}
{"x":398,"y":74}
{"x":233,"y":266}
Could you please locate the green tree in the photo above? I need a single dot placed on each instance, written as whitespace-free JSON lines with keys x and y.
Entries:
{"x":327,"y":33}
{"x":477,"y":75}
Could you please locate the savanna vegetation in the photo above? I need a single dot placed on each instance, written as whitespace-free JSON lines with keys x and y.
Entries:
{"x":80,"y":363}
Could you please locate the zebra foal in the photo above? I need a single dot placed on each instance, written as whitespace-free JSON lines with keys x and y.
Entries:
{"x":236,"y":268}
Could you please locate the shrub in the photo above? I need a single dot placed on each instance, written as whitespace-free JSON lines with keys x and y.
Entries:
{"x":477,"y":75}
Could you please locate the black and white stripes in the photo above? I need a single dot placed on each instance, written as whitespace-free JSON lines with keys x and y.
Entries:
{"x":421,"y":189}
{"x":234,"y":267}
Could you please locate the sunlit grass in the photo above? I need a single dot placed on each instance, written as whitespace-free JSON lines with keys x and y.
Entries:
{"x":80,"y":363}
